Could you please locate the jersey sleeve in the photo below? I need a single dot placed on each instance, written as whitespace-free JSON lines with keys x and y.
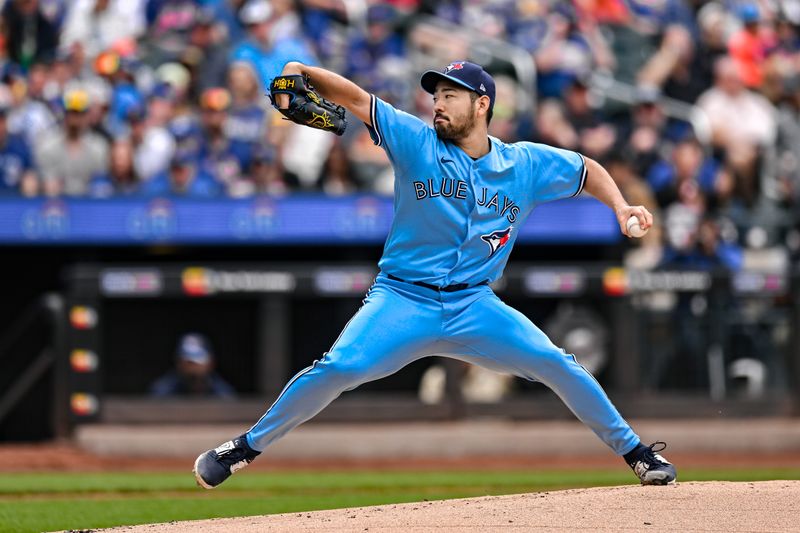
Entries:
{"x":556,"y":173}
{"x":399,"y":133}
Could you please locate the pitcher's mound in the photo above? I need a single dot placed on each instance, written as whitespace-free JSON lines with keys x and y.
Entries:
{"x":692,"y":506}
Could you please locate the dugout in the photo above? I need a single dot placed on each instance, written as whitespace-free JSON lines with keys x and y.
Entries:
{"x":269,"y":321}
{"x":97,"y":347}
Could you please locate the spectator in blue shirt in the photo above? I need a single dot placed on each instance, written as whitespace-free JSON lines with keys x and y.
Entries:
{"x":16,"y":162}
{"x":267,"y":46}
{"x":226,"y":12}
{"x":654,"y":17}
{"x":564,"y":54}
{"x":169,"y":24}
{"x":647,"y":131}
{"x":121,"y":178}
{"x":367,"y":50}
{"x":184,"y":178}
{"x":704,"y":250}
{"x":245,"y":125}
{"x":188,"y":135}
{"x":687,"y":165}
{"x":217,"y":155}
{"x":209,"y":51}
{"x":32,"y":114}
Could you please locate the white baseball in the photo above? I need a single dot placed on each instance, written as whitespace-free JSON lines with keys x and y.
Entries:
{"x":634,"y":229}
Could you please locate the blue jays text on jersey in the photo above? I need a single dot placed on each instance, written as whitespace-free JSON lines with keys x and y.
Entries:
{"x":448,"y":206}
{"x":452,"y":188}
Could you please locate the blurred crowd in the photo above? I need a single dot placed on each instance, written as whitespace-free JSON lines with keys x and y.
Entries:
{"x":103,"y":98}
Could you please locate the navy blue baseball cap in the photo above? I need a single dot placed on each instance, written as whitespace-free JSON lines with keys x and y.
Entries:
{"x":194,"y":347}
{"x":464,"y":73}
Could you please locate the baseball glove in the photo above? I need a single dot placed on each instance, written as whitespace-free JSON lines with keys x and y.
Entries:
{"x":306,"y":107}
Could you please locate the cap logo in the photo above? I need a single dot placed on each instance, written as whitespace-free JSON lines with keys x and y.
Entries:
{"x":483,"y":88}
{"x":454,"y":66}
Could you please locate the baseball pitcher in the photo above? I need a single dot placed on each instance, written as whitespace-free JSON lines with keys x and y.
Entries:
{"x":460,"y":198}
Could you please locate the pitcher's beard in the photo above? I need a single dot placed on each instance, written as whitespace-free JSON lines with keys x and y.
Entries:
{"x":446,"y":131}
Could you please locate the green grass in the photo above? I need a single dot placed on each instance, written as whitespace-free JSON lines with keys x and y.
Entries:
{"x":48,"y":502}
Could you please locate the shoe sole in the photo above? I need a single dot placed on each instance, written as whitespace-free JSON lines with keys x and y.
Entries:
{"x":659,"y":481}
{"x":200,"y":481}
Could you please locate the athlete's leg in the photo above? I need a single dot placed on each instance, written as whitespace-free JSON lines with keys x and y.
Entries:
{"x":390,"y":330}
{"x":397,"y":324}
{"x":498,"y":336}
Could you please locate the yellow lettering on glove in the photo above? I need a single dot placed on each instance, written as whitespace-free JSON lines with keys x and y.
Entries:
{"x":320,"y":121}
{"x":283,"y":83}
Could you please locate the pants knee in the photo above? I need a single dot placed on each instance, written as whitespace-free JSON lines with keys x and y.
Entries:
{"x":555,"y":363}
{"x":345,"y":375}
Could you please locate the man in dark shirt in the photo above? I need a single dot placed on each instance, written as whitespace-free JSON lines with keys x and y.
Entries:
{"x":194,"y":373}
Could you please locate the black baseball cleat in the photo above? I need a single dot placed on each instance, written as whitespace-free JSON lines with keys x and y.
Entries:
{"x":650,"y":466}
{"x":215,"y":466}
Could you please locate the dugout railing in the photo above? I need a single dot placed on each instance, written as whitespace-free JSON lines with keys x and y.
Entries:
{"x":32,"y":389}
{"x":672,"y":343}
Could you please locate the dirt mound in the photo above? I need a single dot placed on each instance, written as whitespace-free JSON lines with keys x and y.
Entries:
{"x":55,"y":457}
{"x":708,"y":506}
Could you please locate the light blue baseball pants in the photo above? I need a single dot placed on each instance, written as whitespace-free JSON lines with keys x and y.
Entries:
{"x":401,"y":322}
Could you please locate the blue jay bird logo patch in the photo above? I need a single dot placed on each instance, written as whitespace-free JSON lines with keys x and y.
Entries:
{"x":458,"y":65}
{"x":497,"y":239}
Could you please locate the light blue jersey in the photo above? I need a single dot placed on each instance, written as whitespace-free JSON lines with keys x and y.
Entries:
{"x":456,"y":219}
{"x":455,"y":222}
